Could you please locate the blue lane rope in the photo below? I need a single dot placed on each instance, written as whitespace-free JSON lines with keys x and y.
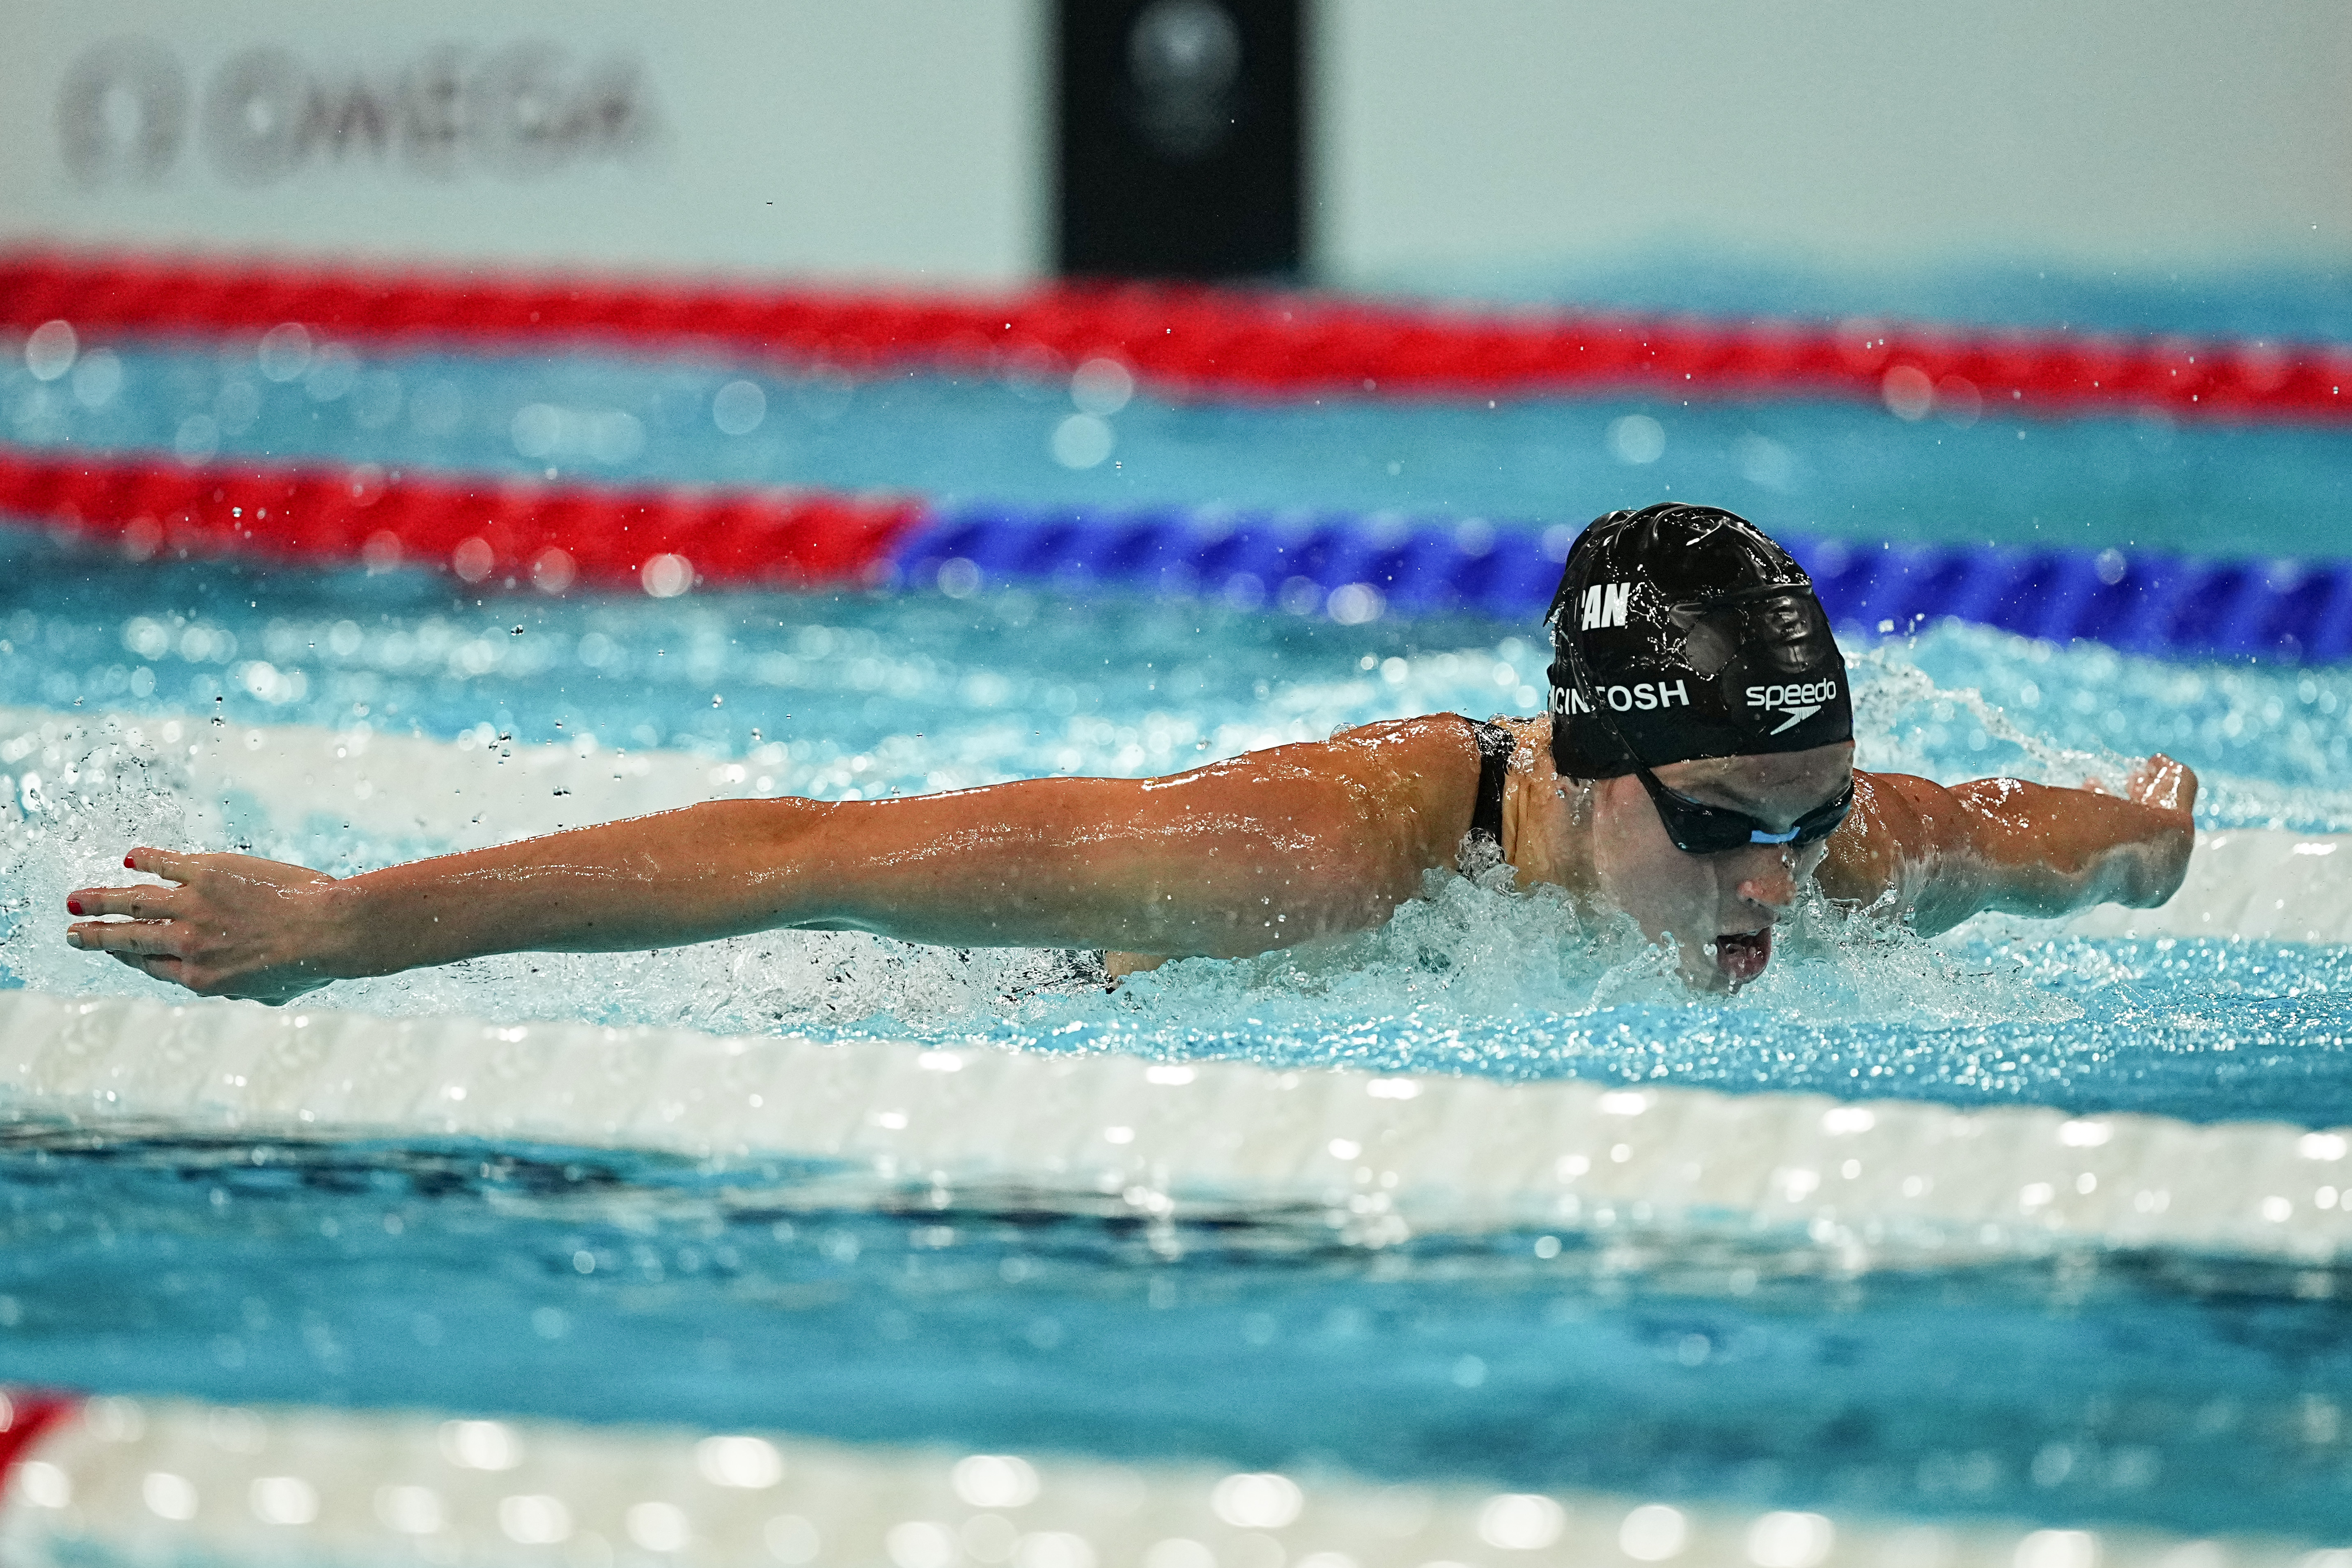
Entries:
{"x":2138,"y":602}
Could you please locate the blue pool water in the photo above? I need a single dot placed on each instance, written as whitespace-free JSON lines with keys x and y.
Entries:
{"x":2280,"y":304}
{"x":2156,"y":1387}
{"x":1843,"y":469}
{"x":2148,"y":1389}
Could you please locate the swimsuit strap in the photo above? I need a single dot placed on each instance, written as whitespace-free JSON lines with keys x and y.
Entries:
{"x":1494,"y":747}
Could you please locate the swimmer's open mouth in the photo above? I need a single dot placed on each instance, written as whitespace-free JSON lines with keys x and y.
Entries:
{"x":1742,"y":954}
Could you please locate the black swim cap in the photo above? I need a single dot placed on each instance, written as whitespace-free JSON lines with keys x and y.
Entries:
{"x":1699,"y":634}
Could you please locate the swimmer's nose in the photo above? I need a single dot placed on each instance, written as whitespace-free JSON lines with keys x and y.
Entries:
{"x":1772,"y":887}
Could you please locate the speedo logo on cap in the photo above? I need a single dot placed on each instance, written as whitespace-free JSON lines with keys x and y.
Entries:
{"x":1604,"y":605}
{"x":1798,"y":702}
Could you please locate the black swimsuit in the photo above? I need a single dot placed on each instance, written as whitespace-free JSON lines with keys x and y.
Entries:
{"x":1494,"y":747}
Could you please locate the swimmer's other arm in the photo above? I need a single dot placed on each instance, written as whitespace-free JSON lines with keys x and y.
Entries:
{"x":1932,"y":855}
{"x":1260,"y":852}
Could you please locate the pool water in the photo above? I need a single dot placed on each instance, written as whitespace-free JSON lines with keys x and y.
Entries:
{"x":2151,"y":1389}
{"x":2154,"y":1387}
{"x":2286,"y":303}
{"x":1843,"y":469}
{"x":2157,"y":1388}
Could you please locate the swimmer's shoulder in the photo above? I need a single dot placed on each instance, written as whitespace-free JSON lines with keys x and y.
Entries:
{"x":1437,"y":764}
{"x":1430,"y":744}
{"x":1442,"y":733}
{"x":1431,"y":734}
{"x":1894,"y":814}
{"x":1441,"y":739}
{"x":1441,"y":748}
{"x":1421,"y":771}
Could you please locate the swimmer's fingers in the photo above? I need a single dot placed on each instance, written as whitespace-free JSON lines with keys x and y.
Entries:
{"x":165,"y":864}
{"x":145,"y":902}
{"x":137,"y":939}
{"x":2157,"y":781}
{"x":2164,"y":783}
{"x":169,"y":950}
{"x":225,"y":925}
{"x":154,"y":968}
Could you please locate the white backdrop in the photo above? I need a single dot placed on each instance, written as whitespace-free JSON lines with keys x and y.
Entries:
{"x":901,"y":138}
{"x":909,"y":139}
{"x":2140,"y":135}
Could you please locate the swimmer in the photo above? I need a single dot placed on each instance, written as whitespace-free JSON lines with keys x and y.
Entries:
{"x":1695,"y":771}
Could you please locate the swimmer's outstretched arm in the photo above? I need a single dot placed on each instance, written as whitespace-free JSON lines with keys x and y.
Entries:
{"x":1238,"y":857}
{"x":1933,"y":855}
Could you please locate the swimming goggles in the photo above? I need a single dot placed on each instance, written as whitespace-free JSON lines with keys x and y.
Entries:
{"x":1699,"y":829}
{"x":1696,"y":828}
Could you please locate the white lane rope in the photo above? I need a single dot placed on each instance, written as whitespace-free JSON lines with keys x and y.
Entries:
{"x":118,"y":1480}
{"x":290,"y":779}
{"x":1379,"y":1157}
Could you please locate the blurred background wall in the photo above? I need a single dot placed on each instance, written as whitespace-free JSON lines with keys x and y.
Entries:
{"x":897,"y":139}
{"x":1462,"y":142}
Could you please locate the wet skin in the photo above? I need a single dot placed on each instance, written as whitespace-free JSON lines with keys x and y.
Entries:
{"x":1604,"y":840}
{"x":1260,"y":852}
{"x":1911,"y":850}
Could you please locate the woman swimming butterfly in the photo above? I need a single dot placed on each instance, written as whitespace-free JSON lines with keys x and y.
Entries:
{"x":1695,"y":771}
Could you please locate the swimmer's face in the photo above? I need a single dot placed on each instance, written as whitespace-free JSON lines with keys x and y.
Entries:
{"x":1719,"y":908}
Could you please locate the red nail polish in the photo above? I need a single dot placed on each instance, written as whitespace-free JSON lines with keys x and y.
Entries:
{"x":73,"y":906}
{"x":126,"y":865}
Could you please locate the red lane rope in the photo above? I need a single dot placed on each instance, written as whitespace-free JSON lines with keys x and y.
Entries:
{"x":25,"y":1414}
{"x":487,"y":530}
{"x":1205,"y":341}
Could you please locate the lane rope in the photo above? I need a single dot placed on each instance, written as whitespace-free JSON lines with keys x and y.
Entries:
{"x":118,"y":1479}
{"x":1362,"y":1158}
{"x":507,"y":533}
{"x":2139,"y":601}
{"x":500,"y":531}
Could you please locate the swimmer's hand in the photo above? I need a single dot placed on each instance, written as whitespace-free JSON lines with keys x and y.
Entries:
{"x":2157,"y":862}
{"x":230,"y":926}
{"x":2158,"y":783}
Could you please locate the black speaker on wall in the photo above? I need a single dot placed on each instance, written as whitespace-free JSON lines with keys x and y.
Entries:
{"x":1181,"y":137}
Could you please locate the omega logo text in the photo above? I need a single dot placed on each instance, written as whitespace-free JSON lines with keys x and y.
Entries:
{"x":523,"y":112}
